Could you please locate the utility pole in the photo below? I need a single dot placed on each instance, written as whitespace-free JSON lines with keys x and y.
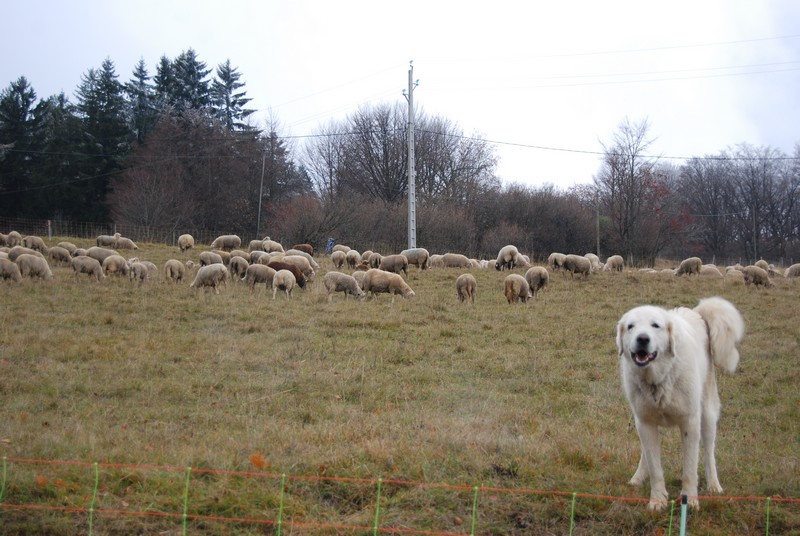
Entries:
{"x":412,"y":195}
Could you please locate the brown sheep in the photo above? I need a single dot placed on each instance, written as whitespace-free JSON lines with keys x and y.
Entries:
{"x":537,"y":278}
{"x":577,"y":264}
{"x":298,"y":274}
{"x":87,"y":265}
{"x":34,"y":266}
{"x":9,"y":270}
{"x":395,"y":264}
{"x":466,"y":288}
{"x":377,"y":281}
{"x":308,"y":248}
{"x":755,"y":275}
{"x":689,"y":266}
{"x":516,"y":289}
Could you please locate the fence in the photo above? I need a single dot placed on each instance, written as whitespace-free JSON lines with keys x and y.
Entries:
{"x":77,"y":490}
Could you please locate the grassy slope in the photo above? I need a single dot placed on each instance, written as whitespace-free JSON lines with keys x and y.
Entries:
{"x":430,"y":390}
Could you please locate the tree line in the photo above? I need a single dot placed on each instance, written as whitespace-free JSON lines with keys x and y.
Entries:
{"x":180,"y":150}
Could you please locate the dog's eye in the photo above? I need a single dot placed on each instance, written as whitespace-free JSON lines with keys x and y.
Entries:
{"x":655,"y":325}
{"x":630,"y":326}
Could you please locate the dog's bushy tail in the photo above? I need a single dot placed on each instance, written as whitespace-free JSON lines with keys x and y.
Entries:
{"x":725,"y":329}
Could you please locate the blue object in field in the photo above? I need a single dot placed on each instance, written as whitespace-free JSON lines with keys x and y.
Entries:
{"x":329,"y":246}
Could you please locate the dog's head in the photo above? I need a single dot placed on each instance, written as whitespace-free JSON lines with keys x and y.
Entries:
{"x":644,"y":334}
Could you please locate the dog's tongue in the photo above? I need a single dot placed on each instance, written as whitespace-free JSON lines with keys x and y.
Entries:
{"x":642,"y":357}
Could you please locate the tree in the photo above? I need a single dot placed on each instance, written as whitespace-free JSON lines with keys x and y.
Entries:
{"x":191,"y":85}
{"x":228,"y":101}
{"x":141,"y":102}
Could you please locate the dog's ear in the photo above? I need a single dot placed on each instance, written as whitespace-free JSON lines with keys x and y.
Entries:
{"x":620,"y":334}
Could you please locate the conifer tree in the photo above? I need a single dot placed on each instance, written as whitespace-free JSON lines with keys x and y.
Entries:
{"x":229,"y":102}
{"x":141,"y":102}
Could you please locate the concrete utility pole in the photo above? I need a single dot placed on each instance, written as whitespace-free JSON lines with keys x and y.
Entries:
{"x":412,"y":194}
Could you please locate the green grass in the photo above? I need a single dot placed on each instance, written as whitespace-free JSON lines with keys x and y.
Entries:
{"x":523,"y":397}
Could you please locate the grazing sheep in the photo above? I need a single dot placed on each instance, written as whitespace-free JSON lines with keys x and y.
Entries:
{"x":576,"y":264}
{"x":109,"y":241}
{"x":224,"y":255}
{"x":238,"y":267}
{"x":258,"y":273}
{"x":775,"y":272}
{"x":437,"y":261}
{"x":733,"y":275}
{"x":365,"y":255}
{"x":209,"y":257}
{"x":301,"y":263}
{"x":256,"y":245}
{"x":352,"y":258}
{"x":3,"y":239}
{"x":174,"y":270}
{"x":257,"y":254}
{"x":152,"y":269}
{"x":341,"y":247}
{"x":537,"y":278}
{"x":185,"y":242}
{"x":116,"y":264}
{"x":283,"y":280}
{"x":13,"y":239}
{"x":271,"y":246}
{"x":16,"y":251}
{"x":359,"y":276}
{"x":419,"y":257}
{"x":793,"y":271}
{"x":59,"y":255}
{"x":363,"y":266}
{"x":752,"y":274}
{"x":374,"y":259}
{"x":761,"y":263}
{"x":689,"y":266}
{"x":226,"y":242}
{"x":615,"y":263}
{"x":306,"y":248}
{"x":125,"y":243}
{"x":466,"y":288}
{"x":305,"y":255}
{"x":507,"y":258}
{"x":298,"y":274}
{"x":36,"y":243}
{"x":455,"y":260}
{"x":376,"y":281}
{"x":100,"y":253}
{"x":516,"y":289}
{"x":69,"y":246}
{"x":556,"y":261}
{"x":338,"y":258}
{"x":595,"y":260}
{"x":212,"y":275}
{"x":34,"y":266}
{"x":139,"y":272}
{"x":709,"y":270}
{"x":339,"y":282}
{"x":240,"y":253}
{"x":394,"y":263}
{"x":10,"y":270}
{"x":80,"y":252}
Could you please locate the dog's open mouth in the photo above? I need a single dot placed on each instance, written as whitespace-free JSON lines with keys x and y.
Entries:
{"x":642,"y":357}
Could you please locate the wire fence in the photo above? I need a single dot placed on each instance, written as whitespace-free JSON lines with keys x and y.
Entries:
{"x":99,"y":497}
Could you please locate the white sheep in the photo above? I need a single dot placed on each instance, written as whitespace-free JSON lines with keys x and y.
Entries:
{"x":466,"y":288}
{"x":256,"y":245}
{"x":69,"y":246}
{"x":185,"y":242}
{"x":301,"y":263}
{"x":258,"y":254}
{"x":352,"y":258}
{"x":116,"y":265}
{"x":259,"y":273}
{"x":752,"y":274}
{"x":507,"y":258}
{"x":374,"y":259}
{"x":306,"y":255}
{"x":419,"y":257}
{"x":283,"y":280}
{"x":437,"y":261}
{"x":709,"y":270}
{"x":615,"y":263}
{"x":271,"y":246}
{"x":341,"y":247}
{"x":516,"y":289}
{"x":9,"y":270}
{"x":35,"y":243}
{"x":139,"y":272}
{"x":209,"y":257}
{"x":338,"y":258}
{"x":455,"y":260}
{"x":174,"y":270}
{"x":339,"y":282}
{"x":537,"y":278}
{"x":125,"y":243}
{"x":34,"y":266}
{"x":211,"y":275}
{"x":238,"y":267}
{"x":226,"y":242}
{"x":576,"y":264}
{"x":59,"y":255}
{"x":761,"y":263}
{"x":359,"y":276}
{"x":689,"y":266}
{"x":107,"y":241}
{"x":13,"y":239}
{"x":16,"y":251}
{"x":377,"y":281}
{"x":394,"y":263}
{"x":792,"y":271}
{"x":87,"y":265}
{"x":595,"y":260}
{"x":556,"y":261}
{"x":100,"y":253}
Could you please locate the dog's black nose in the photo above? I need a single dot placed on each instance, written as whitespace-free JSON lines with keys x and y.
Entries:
{"x":642,"y":341}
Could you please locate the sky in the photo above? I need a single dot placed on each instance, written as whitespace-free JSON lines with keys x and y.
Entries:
{"x":547,"y":83}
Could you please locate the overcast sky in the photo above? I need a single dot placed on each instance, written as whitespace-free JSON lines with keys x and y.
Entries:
{"x":546,"y":81}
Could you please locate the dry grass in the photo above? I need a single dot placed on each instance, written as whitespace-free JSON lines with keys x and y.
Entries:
{"x":425,"y":390}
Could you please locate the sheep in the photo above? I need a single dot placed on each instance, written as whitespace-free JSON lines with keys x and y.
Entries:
{"x":185,"y":242}
{"x":209,"y":257}
{"x":283,"y":280}
{"x":174,"y":270}
{"x":359,"y":276}
{"x":258,"y":273}
{"x":419,"y":257}
{"x":455,"y":260}
{"x":306,"y":248}
{"x":226,"y":242}
{"x":377,"y":280}
{"x":506,"y":258}
{"x":466,"y":288}
{"x":734,"y":275}
{"x":34,"y":266}
{"x":212,"y":275}
{"x":761,"y":263}
{"x":270,"y":245}
{"x":80,"y":252}
{"x":255,"y":245}
{"x":341,"y":247}
{"x":3,"y":239}
{"x":16,"y":251}
{"x":709,"y":270}
{"x":35,"y":243}
{"x":139,"y":272}
{"x":301,"y":263}
{"x":775,"y":272}
{"x":537,"y":278}
{"x":556,"y":261}
{"x":362,"y":266}
{"x":375,"y":259}
{"x":104,"y":241}
{"x":394,"y":263}
{"x":224,"y":255}
{"x":10,"y":270}
{"x":115,"y":264}
{"x":689,"y":266}
{"x":298,"y":274}
{"x":576,"y":264}
{"x":100,"y":253}
{"x":339,"y":282}
{"x":240,"y":253}
{"x":365,"y":255}
{"x":69,"y":246}
{"x":152,"y":269}
{"x":59,"y":255}
{"x":13,"y":239}
{"x":306,"y":255}
{"x":755,"y":275}
{"x":352,"y":258}
{"x":437,"y":261}
{"x":516,"y":289}
{"x":338,"y":258}
{"x":257,"y":254}
{"x":125,"y":243}
{"x":238,"y":267}
{"x":615,"y":263}
{"x":595,"y":260}
{"x":793,"y":271}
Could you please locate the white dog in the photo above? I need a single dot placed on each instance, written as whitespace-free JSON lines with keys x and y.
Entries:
{"x":667,"y":360}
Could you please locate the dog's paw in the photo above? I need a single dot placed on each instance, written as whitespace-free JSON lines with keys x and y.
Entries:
{"x":714,"y":487}
{"x":658,"y":500}
{"x":656,"y":506}
{"x":694,"y":503}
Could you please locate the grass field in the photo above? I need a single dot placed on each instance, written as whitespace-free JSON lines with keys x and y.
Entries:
{"x":429,"y":391}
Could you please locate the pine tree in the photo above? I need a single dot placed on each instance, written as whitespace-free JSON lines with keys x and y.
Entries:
{"x":228,"y":101}
{"x":141,"y":102}
{"x":164,"y":81}
{"x":191,"y":89}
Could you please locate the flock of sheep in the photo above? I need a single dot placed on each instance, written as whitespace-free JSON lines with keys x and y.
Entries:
{"x":266,"y":262}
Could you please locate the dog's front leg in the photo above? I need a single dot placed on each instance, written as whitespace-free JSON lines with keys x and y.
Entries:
{"x":690,"y":433}
{"x":651,"y":456}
